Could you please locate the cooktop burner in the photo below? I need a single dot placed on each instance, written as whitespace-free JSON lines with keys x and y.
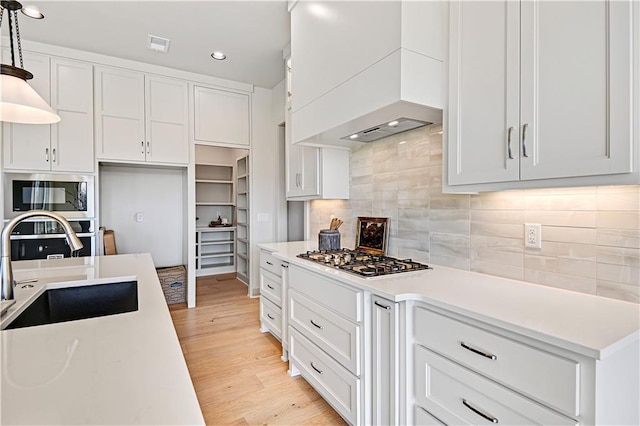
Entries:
{"x":363,"y":263}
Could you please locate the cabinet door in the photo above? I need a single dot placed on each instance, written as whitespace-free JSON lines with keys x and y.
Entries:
{"x":576,"y":88}
{"x":28,"y":146}
{"x":483,"y":92}
{"x":119,"y":114}
{"x":310,"y":173}
{"x":166,"y":120}
{"x":221,"y":116}
{"x":72,"y":97}
{"x":385,"y":376}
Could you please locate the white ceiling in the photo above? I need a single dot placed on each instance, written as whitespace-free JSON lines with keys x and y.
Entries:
{"x":251,"y":33}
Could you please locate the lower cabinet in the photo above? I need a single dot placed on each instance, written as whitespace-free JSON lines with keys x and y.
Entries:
{"x":381,"y":362}
{"x":341,"y":388}
{"x":456,"y":395}
{"x":327,"y":341}
{"x":273,"y":295}
{"x":385,"y":360}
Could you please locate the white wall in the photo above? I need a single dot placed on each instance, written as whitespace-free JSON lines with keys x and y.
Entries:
{"x":158,"y":193}
{"x":265,"y":179}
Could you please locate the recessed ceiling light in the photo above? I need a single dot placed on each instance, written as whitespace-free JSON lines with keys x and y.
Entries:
{"x":220,"y":56}
{"x":393,"y":123}
{"x":32,"y":12}
{"x":354,"y":136}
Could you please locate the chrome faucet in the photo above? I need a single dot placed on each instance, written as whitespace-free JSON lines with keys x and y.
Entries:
{"x":6,"y":273}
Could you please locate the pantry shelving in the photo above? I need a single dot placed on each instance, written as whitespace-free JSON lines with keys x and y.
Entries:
{"x":242,"y":219}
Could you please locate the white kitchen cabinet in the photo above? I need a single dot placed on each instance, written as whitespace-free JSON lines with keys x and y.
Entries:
{"x":539,"y":90}
{"x":274,"y":299}
{"x":467,"y":372}
{"x":67,"y":85}
{"x":315,"y":172}
{"x":140,"y":118}
{"x":327,"y":341}
{"x":221,"y":117}
{"x":385,"y":360}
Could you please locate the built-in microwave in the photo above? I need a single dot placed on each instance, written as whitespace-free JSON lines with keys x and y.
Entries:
{"x":70,"y":195}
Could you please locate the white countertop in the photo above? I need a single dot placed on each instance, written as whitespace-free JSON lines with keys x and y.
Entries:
{"x":583,"y":323}
{"x":118,"y":369}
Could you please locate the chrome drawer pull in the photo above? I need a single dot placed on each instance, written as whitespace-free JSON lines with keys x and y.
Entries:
{"x":479,"y":352}
{"x":269,"y":263}
{"x":270,"y":287}
{"x":270,"y":317}
{"x":316,"y":325}
{"x":381,"y":306}
{"x":479,"y":412}
{"x":314,"y":367}
{"x":509,"y":143}
{"x":284,"y":266}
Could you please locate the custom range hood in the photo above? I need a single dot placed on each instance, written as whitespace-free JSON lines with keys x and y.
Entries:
{"x":378,"y":72}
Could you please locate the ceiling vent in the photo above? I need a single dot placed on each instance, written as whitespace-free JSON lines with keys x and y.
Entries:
{"x":158,"y":44}
{"x":387,"y":129}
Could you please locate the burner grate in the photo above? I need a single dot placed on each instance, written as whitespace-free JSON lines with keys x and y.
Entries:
{"x":362,"y":263}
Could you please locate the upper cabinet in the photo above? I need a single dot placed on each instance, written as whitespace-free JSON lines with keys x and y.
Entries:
{"x":312,"y":172}
{"x":140,"y":118}
{"x":67,"y":85}
{"x":539,"y":90}
{"x":221,"y":117}
{"x":376,"y":62}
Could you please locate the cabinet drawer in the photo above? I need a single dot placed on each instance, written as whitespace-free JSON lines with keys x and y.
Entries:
{"x":271,"y":286}
{"x":271,"y":317}
{"x":337,"y":336}
{"x":344,"y":300}
{"x":338,"y":386}
{"x":270,"y":263}
{"x":539,"y":374}
{"x":456,"y":395}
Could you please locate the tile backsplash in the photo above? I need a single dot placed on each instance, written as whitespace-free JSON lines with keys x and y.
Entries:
{"x":590,"y":235}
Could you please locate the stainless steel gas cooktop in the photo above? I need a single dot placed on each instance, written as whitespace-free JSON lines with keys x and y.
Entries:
{"x":363,"y":263}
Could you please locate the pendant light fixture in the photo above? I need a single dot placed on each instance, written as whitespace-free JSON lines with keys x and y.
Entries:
{"x":19,"y":102}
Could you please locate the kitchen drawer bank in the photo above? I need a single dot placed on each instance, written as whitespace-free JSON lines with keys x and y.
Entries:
{"x":118,"y":369}
{"x":542,"y":355}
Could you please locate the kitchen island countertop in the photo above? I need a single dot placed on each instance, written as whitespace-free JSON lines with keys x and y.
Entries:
{"x":583,"y":323}
{"x":119,"y":369}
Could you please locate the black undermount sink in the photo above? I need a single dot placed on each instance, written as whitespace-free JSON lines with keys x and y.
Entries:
{"x":75,"y":303}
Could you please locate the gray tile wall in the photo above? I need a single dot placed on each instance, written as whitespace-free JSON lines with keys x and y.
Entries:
{"x":590,"y":235}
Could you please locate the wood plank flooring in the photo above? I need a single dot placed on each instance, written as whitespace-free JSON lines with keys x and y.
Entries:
{"x":236,"y":370}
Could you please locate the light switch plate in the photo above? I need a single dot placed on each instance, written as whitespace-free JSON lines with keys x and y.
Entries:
{"x":263,"y":217}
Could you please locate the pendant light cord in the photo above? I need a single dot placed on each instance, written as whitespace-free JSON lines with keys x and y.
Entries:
{"x":15,"y":18}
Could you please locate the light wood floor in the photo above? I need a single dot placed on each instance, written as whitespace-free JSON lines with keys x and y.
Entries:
{"x":236,"y":370}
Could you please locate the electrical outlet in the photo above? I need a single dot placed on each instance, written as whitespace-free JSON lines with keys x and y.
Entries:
{"x":139,"y":217}
{"x":533,"y":235}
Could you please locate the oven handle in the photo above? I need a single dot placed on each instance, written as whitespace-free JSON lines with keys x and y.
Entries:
{"x":48,"y":236}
